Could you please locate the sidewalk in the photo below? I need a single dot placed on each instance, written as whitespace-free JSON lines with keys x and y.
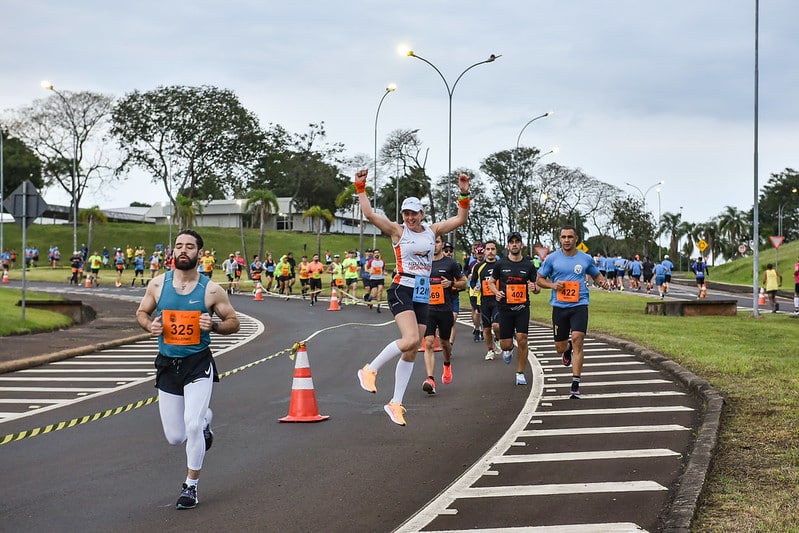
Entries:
{"x":115,"y":325}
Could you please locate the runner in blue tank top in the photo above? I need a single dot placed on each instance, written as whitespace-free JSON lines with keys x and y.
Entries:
{"x":564,"y":271}
{"x":177,"y":308}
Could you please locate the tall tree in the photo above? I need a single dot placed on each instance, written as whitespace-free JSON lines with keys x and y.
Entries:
{"x":780,"y":196}
{"x":19,"y":164}
{"x":670,"y":225}
{"x":64,"y":128}
{"x":318,"y":215}
{"x":262,"y":203}
{"x":196,"y":141}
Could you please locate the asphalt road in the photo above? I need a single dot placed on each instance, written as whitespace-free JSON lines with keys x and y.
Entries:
{"x":354,"y":472}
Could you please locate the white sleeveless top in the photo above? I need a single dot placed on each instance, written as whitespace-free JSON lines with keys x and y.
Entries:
{"x":414,"y":252}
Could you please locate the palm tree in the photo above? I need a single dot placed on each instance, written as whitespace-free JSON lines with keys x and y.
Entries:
{"x":670,"y":224}
{"x":317,"y":214}
{"x":262,"y":203}
{"x":91,"y":216}
{"x":187,"y":210}
{"x":733,"y":224}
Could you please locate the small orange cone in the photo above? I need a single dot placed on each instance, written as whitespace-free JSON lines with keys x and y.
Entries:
{"x":761,"y":299}
{"x":5,"y":276}
{"x":703,"y":291}
{"x":333,"y":301}
{"x":303,"y":407}
{"x":88,"y":283}
{"x":259,"y":292}
{"x":436,"y":345}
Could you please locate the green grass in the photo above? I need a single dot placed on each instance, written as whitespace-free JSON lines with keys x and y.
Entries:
{"x":35,"y":319}
{"x":752,"y":362}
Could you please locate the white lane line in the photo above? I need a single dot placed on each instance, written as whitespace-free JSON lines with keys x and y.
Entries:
{"x":54,"y":389}
{"x":28,"y":400}
{"x":610,"y":372}
{"x":611,"y":383}
{"x":611,"y":363}
{"x":585,"y":456}
{"x":564,"y":488}
{"x":605,"y":430}
{"x":70,"y":379}
{"x":619,"y":411}
{"x":609,"y":527}
{"x":440,"y":503}
{"x":652,"y":394}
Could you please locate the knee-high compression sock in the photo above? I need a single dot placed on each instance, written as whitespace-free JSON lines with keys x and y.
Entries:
{"x":389,"y":352}
{"x":402,"y":376}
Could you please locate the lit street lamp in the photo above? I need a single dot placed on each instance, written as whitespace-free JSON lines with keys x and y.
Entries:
{"x":643,"y":197}
{"x":450,"y":92}
{"x":74,"y":188}
{"x":794,"y":190}
{"x":391,"y":88}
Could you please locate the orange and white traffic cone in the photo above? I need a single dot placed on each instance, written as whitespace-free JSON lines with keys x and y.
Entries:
{"x":436,"y":345}
{"x":703,"y":291}
{"x":5,"y":276}
{"x":303,"y":407}
{"x":334,"y":301}
{"x":88,"y":283}
{"x":761,"y":299}
{"x":259,"y":292}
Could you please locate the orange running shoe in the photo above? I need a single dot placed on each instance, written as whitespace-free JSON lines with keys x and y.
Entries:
{"x":446,"y":377}
{"x":396,"y":411}
{"x":367,"y":378}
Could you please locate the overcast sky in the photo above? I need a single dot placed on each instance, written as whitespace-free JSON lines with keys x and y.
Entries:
{"x":641,"y":90}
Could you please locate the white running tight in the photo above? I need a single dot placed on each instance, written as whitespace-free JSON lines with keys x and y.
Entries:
{"x":183,"y":419}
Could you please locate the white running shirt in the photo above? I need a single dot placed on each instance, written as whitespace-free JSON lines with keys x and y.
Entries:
{"x":414,"y":252}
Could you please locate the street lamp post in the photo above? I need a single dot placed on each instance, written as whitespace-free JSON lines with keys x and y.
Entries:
{"x":391,"y":88}
{"x":2,"y":193}
{"x":644,"y":194}
{"x":515,"y":156}
{"x":71,"y":115}
{"x":542,"y":198}
{"x":794,"y":190}
{"x":658,"y":241}
{"x":450,"y":92}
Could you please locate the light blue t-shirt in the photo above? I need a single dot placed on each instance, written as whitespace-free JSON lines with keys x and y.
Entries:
{"x":561,"y":267}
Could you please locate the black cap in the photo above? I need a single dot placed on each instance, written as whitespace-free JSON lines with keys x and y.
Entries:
{"x":448,"y":245}
{"x":515,"y":234}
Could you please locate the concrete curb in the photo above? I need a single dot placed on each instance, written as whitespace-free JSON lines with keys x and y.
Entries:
{"x":37,"y":360}
{"x":682,"y":510}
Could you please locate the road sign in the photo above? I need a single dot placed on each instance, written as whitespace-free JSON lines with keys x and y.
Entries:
{"x":25,"y":204}
{"x":702,"y":244}
{"x":542,"y":252}
{"x":776,"y":241}
{"x":742,"y":249}
{"x":582,"y":247}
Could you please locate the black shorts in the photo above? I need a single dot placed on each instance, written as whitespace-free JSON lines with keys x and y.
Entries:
{"x":648,"y":276}
{"x":611,"y":274}
{"x":441,"y":320}
{"x":489,"y":314}
{"x":473,"y":303}
{"x":668,"y":278}
{"x":283,"y":279}
{"x":304,"y":282}
{"x":400,"y":298}
{"x":316,"y":284}
{"x":568,"y":319}
{"x":375,"y":283}
{"x":367,"y":283}
{"x":174,"y":373}
{"x":512,"y":322}
{"x":350,"y":281}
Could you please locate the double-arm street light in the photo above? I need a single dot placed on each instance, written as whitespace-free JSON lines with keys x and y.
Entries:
{"x":74,"y":187}
{"x":390,"y":89}
{"x":450,"y":92}
{"x":794,"y":190}
{"x":643,"y":197}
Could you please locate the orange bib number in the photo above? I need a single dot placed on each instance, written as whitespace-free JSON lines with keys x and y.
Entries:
{"x":436,"y":294}
{"x":487,"y":288}
{"x":516,"y":294}
{"x":181,"y":327}
{"x":570,"y":292}
{"x":339,"y":282}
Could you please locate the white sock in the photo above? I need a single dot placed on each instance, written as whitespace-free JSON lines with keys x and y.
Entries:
{"x":389,"y":352}
{"x":191,"y":482}
{"x":796,"y":302}
{"x":402,"y":376}
{"x":507,"y":353}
